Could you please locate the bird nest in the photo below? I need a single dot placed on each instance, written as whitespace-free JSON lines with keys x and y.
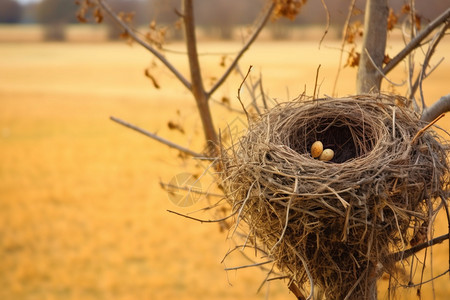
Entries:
{"x":335,"y":224}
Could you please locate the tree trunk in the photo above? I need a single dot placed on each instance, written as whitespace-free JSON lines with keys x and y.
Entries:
{"x":197,"y":89}
{"x":369,"y":78}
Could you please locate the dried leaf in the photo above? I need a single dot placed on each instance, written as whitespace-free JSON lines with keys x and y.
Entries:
{"x":406,"y":9}
{"x":222,"y":60}
{"x":154,"y":82}
{"x":175,"y":126}
{"x":81,"y":16}
{"x":130,"y":16}
{"x":98,"y":15}
{"x":353,"y":58}
{"x":225,"y":100}
{"x":418,"y":21}
{"x":124,"y":35}
{"x":287,"y":8}
{"x":392,"y":19}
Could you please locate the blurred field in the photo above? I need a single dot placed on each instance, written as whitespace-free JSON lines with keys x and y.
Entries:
{"x":82,"y":215}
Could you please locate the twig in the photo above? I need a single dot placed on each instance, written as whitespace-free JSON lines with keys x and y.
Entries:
{"x":315,"y":83}
{"x":424,"y":282}
{"x":422,"y":75}
{"x":158,"y":138}
{"x":239,"y":92}
{"x":415,"y":42}
{"x":401,"y":255}
{"x":167,"y":186}
{"x":380,"y":71}
{"x":135,"y":37}
{"x":421,"y":131}
{"x":308,"y":273}
{"x":328,"y":22}
{"x":201,"y":220}
{"x":249,"y":266}
{"x":243,"y":50}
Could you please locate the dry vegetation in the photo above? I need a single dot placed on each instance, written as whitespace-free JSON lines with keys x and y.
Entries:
{"x":82,"y":215}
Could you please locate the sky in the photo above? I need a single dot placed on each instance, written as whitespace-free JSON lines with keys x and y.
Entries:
{"x":27,"y":1}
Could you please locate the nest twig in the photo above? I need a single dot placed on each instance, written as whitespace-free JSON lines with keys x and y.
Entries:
{"x":335,"y":222}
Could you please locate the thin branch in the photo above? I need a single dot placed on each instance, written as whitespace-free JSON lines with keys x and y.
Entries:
{"x":239,"y":92}
{"x":243,"y":50}
{"x":380,"y":71}
{"x":135,"y":37}
{"x":401,"y":255}
{"x":249,"y":266}
{"x":168,"y":186}
{"x":158,"y":138}
{"x":328,"y":22}
{"x":315,"y":83}
{"x":415,"y":42}
{"x":201,"y":220}
{"x":421,"y":131}
{"x":422,"y":75}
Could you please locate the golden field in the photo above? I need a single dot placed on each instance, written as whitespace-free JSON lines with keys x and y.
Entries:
{"x":82,"y":215}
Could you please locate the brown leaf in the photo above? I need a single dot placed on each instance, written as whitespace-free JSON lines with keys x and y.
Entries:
{"x":418,"y":21}
{"x":392,"y":19}
{"x":80,"y":16}
{"x":386,"y":59}
{"x":225,"y":100}
{"x":154,"y":82}
{"x":152,"y":25}
{"x":406,"y":9}
{"x":287,"y":8}
{"x":353,"y":58}
{"x":175,"y":126}
{"x":98,"y":15}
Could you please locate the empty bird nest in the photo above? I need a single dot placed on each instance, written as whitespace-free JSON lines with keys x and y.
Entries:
{"x":336,"y":224}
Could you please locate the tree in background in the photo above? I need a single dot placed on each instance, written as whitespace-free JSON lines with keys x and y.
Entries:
{"x":10,"y":11}
{"x":55,"y":15}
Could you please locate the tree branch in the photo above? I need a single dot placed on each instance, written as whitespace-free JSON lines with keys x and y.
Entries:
{"x":135,"y":37}
{"x":415,"y":42}
{"x":422,"y":74}
{"x":197,"y":89}
{"x":438,"y":107}
{"x":411,"y":251}
{"x":243,"y":50}
{"x":158,"y":138}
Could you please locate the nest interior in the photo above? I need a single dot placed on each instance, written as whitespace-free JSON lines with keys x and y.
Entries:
{"x":336,"y":222}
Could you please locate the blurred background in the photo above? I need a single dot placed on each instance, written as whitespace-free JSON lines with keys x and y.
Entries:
{"x":82,"y":213}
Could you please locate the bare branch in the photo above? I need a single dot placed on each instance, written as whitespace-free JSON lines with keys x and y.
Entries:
{"x":243,"y":50}
{"x":381,"y":72}
{"x":422,"y":75}
{"x":411,"y":251}
{"x":135,"y":37}
{"x":249,"y":266}
{"x":438,"y":107}
{"x":328,"y":22}
{"x":415,"y":42}
{"x":421,"y":131}
{"x":197,"y":89}
{"x":158,"y":138}
{"x":201,"y":220}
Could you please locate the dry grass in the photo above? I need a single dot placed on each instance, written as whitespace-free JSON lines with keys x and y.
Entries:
{"x":81,"y":212}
